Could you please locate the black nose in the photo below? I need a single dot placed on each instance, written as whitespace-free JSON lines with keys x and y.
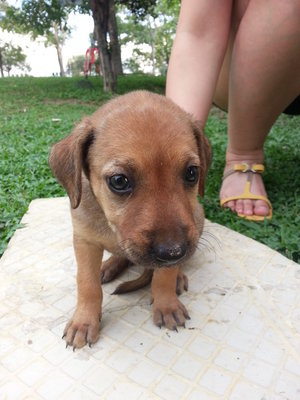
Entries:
{"x":168,"y":254}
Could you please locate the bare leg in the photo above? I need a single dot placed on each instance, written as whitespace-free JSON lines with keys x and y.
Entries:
{"x":264,"y":79}
{"x":197,"y":54}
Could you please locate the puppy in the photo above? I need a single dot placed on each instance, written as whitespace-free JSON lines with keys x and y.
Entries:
{"x":132,"y":171}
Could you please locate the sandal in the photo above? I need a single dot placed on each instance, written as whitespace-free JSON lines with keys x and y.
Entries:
{"x":250,"y":170}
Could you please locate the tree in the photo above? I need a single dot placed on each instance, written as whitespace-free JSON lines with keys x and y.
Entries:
{"x":75,"y":66}
{"x":40,"y":18}
{"x":156,"y":30}
{"x":106,"y":32}
{"x":12,"y":56}
{"x":37,"y":18}
{"x":103,"y":11}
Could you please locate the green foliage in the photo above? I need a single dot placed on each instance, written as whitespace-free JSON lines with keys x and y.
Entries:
{"x":139,"y":8}
{"x":12,"y":56}
{"x":75,"y":66}
{"x":36,"y":17}
{"x":36,"y":112}
{"x":156,"y":30}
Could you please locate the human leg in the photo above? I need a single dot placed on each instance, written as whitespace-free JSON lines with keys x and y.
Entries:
{"x":197,"y":54}
{"x":264,"y":79}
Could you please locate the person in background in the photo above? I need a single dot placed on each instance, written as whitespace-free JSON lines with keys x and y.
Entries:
{"x":243,"y":56}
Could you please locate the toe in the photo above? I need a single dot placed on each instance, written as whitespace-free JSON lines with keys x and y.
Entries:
{"x":239,"y":206}
{"x":261,"y":208}
{"x":248,"y":207}
{"x":230,"y":204}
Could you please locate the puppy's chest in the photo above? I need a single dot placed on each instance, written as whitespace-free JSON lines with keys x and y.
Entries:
{"x":91,"y":224}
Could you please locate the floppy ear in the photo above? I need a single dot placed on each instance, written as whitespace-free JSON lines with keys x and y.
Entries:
{"x":205,"y":154}
{"x":68,"y":158}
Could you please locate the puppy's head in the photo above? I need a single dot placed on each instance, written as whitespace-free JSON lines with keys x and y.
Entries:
{"x":146,"y":161}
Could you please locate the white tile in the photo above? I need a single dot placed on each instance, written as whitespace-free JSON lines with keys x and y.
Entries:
{"x":181,"y":337}
{"x":152,"y":329}
{"x":125,"y":390}
{"x":162,"y":354}
{"x":216,"y":380}
{"x":117,"y":330}
{"x":288,"y":385}
{"x":215,"y":330}
{"x":245,"y":391}
{"x":202,"y":347}
{"x":76,"y":367}
{"x":251,"y":324}
{"x":293,"y":365}
{"x":34,"y":372}
{"x":122,"y":359}
{"x":17,"y":359}
{"x":230,"y":359}
{"x":200,"y":394}
{"x":41,"y":340}
{"x":241,"y":340}
{"x":135,"y":316}
{"x":145,"y":373}
{"x":57,"y":354}
{"x":259,"y":372}
{"x":188,"y":366}
{"x":140,"y":341}
{"x":66,"y":304}
{"x":170,"y":388}
{"x":103,"y":347}
{"x":269,"y":352}
{"x":12,"y":390}
{"x":100,"y":380}
{"x":6,"y":344}
{"x":78,"y":393}
{"x":54,"y":386}
{"x":225,"y":314}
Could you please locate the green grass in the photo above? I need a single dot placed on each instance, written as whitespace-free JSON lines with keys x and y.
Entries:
{"x":30,"y":107}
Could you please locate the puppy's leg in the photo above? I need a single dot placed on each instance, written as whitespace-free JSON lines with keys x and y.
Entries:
{"x":167,"y":309}
{"x":182,"y":283}
{"x":84,"y":326}
{"x":113,"y":267}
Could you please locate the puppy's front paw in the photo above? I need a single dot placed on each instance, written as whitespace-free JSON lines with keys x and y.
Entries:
{"x":169,"y":312}
{"x":83,"y":328}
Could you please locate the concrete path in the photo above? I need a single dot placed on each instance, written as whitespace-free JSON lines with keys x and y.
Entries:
{"x":242,"y":342}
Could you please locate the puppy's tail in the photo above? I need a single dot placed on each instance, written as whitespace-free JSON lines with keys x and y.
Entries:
{"x":142,"y":281}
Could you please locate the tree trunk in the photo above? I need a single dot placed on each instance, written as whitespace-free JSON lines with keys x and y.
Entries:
{"x":100,"y":10}
{"x":152,"y":44}
{"x":114,"y":41}
{"x":1,"y":64}
{"x":58,"y":50}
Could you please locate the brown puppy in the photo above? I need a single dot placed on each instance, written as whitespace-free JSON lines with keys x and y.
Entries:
{"x":132,"y":171}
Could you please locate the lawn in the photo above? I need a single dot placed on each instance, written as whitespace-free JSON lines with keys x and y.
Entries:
{"x":36,"y":112}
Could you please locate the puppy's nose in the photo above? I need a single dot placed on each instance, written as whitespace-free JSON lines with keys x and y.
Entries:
{"x":168,"y":254}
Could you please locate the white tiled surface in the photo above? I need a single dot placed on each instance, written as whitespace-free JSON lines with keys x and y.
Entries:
{"x":242,"y":342}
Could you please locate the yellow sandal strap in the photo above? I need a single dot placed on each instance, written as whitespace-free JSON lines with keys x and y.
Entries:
{"x":244,"y":167}
{"x":247,"y":195}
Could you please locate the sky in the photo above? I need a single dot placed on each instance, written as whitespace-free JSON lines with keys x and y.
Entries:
{"x":43,"y":60}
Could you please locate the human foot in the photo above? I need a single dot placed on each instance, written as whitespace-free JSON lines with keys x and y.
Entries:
{"x":243,"y":191}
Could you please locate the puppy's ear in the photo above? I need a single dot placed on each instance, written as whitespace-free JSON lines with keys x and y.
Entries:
{"x":68,"y":158}
{"x":205,"y":154}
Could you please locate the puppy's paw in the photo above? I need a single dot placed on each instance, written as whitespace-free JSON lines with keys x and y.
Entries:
{"x":83,"y":328}
{"x":112,"y":268}
{"x":169,"y":313}
{"x":182,"y":283}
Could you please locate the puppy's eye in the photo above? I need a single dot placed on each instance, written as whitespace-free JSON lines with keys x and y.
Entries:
{"x":192,"y":175}
{"x":119,"y":184}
